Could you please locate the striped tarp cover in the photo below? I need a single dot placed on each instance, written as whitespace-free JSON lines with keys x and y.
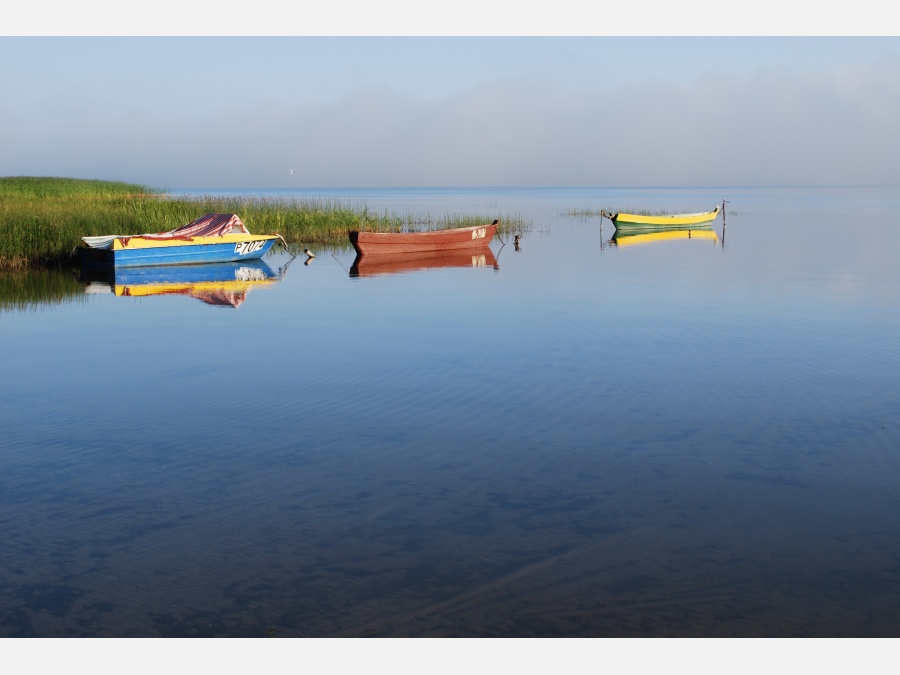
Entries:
{"x":210,"y":225}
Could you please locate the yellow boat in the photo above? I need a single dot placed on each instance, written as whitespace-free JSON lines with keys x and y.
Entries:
{"x":677,"y":220}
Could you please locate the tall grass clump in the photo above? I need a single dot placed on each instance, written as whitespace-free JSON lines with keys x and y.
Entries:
{"x":581,"y":213}
{"x":641,"y":212}
{"x":42,"y":219}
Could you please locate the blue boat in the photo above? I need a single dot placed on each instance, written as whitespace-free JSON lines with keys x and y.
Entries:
{"x":213,"y":238}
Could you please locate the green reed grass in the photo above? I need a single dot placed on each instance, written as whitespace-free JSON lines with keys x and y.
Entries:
{"x":590,"y":213}
{"x":43,"y":187}
{"x":641,"y":212}
{"x":581,"y":213}
{"x":43,"y":219}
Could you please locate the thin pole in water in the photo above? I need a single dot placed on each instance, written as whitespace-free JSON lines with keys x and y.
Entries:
{"x":723,"y":222}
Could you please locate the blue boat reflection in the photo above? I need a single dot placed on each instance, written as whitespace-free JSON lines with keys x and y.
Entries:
{"x":221,"y":284}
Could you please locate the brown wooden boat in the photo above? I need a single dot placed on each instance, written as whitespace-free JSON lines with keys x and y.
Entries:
{"x":394,"y":263}
{"x":461,"y":238}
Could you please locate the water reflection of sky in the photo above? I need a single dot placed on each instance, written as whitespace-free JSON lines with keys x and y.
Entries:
{"x":681,"y":438}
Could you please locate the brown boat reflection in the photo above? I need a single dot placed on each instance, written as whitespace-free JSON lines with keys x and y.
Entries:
{"x":397,"y":263}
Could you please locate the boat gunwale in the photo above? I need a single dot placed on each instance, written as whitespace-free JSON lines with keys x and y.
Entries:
{"x":136,"y":241}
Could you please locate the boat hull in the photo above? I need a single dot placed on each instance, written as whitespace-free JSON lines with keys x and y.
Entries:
{"x":458,"y":239}
{"x":137,"y":252}
{"x":664,"y":222}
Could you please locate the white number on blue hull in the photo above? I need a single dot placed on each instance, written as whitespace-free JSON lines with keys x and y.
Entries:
{"x":245,"y":247}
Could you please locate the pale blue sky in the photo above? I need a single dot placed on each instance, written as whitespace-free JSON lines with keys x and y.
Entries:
{"x":456,"y":111}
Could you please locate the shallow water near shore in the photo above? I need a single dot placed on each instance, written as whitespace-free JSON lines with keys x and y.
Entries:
{"x":575,"y":436}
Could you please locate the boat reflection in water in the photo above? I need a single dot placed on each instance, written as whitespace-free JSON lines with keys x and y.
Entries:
{"x":636,"y":235}
{"x":220,"y":284}
{"x":393,"y":263}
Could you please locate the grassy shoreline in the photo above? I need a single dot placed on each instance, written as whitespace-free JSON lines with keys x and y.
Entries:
{"x":42,"y":219}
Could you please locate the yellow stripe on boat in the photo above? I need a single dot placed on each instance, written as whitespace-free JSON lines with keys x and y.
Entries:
{"x":136,"y":242}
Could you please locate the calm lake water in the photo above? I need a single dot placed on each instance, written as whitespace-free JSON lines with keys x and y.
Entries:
{"x":697,"y":437}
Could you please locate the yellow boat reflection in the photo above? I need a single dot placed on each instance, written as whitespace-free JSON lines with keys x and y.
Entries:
{"x":633,"y":237}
